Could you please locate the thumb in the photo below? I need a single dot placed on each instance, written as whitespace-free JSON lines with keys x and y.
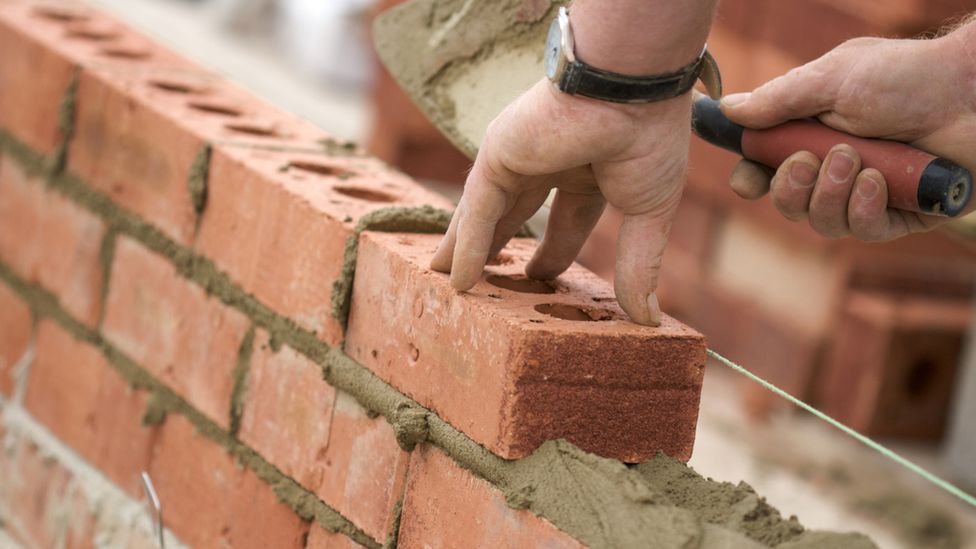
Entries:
{"x":803,"y":92}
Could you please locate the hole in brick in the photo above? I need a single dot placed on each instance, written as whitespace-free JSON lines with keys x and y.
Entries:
{"x":215,"y":108}
{"x":125,"y":53}
{"x":92,"y":33}
{"x":920,"y":377}
{"x":605,"y":299}
{"x":252,"y":129}
{"x":174,"y":86}
{"x":571,"y":312}
{"x":61,"y":13}
{"x":414,"y":353}
{"x":520,"y":284}
{"x":368,"y":195}
{"x":320,"y":169}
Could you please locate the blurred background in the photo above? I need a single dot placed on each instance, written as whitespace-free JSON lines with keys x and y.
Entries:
{"x":882,"y":337}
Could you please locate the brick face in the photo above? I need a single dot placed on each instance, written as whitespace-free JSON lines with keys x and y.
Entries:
{"x":15,"y":320}
{"x":211,"y":501}
{"x":75,"y":393}
{"x":169,"y":325}
{"x":51,"y":241}
{"x":288,"y":409}
{"x":534,"y":362}
{"x":446,"y":506}
{"x":323,"y":439}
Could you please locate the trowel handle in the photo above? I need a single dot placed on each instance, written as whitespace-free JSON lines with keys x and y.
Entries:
{"x":917,"y":181}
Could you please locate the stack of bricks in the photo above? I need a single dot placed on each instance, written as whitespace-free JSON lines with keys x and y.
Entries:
{"x":780,"y":299}
{"x":172,"y":298}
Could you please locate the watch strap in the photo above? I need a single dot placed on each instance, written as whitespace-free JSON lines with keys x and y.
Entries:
{"x":582,"y":79}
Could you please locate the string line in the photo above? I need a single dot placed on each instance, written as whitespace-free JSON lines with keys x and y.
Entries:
{"x":877,"y":447}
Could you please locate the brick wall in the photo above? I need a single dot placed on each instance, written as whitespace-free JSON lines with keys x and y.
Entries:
{"x":197,"y":285}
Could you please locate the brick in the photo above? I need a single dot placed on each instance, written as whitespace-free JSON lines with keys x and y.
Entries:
{"x":446,"y":506}
{"x":323,"y":440}
{"x":211,"y":501}
{"x":288,"y":409}
{"x":40,"y":504}
{"x":138,"y":132}
{"x":85,"y":403}
{"x":44,"y":44}
{"x":893,"y":362}
{"x":15,"y":318}
{"x":364,"y":468}
{"x":531,"y":355}
{"x":320,"y":538}
{"x":169,"y":325}
{"x":268,"y":203}
{"x":51,"y":241}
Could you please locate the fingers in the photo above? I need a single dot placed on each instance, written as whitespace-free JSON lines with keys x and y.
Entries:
{"x":802,"y":92}
{"x":869,"y":217}
{"x":750,"y":180}
{"x":526,"y":204}
{"x":469,"y":239}
{"x":829,"y":202}
{"x":444,"y":255}
{"x":640,"y":248}
{"x":571,"y":220}
{"x":793,"y":185}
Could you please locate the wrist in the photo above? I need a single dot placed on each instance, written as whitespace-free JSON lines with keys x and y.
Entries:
{"x":640,"y":38}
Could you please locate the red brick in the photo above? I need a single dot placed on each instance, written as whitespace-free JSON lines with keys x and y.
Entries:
{"x":209,"y":500}
{"x":320,"y":538}
{"x":532,"y":376}
{"x":287,"y":410}
{"x":169,"y":325}
{"x":288,"y":216}
{"x":51,"y":241}
{"x":43,"y":47}
{"x":364,"y":468}
{"x":447,"y":506}
{"x":893,"y":363}
{"x":85,"y":403}
{"x":40,"y":504}
{"x":15,"y":319}
{"x":323,"y":440}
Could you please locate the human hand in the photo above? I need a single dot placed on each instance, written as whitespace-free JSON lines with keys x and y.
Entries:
{"x":592,"y":152}
{"x":915,"y":91}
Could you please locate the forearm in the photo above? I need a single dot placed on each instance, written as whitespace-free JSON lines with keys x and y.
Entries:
{"x":640,"y":37}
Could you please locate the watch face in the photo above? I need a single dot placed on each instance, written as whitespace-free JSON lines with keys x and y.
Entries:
{"x":553,"y":50}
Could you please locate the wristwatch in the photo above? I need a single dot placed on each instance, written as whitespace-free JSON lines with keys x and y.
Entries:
{"x":575,"y":77}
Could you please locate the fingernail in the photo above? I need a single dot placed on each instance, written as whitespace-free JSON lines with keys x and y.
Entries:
{"x":735,"y":99}
{"x":802,"y":174}
{"x":654,"y":308}
{"x":840,"y":167}
{"x":867,"y":188}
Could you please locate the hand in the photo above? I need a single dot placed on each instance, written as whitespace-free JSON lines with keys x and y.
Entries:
{"x":916,"y":91}
{"x":632,"y":156}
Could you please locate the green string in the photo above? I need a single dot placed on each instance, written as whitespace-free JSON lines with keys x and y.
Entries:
{"x":941,"y":483}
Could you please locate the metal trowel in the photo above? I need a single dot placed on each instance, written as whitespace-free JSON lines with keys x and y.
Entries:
{"x":463,"y":61}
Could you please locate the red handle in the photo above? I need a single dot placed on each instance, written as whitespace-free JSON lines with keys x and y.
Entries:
{"x":901,"y":164}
